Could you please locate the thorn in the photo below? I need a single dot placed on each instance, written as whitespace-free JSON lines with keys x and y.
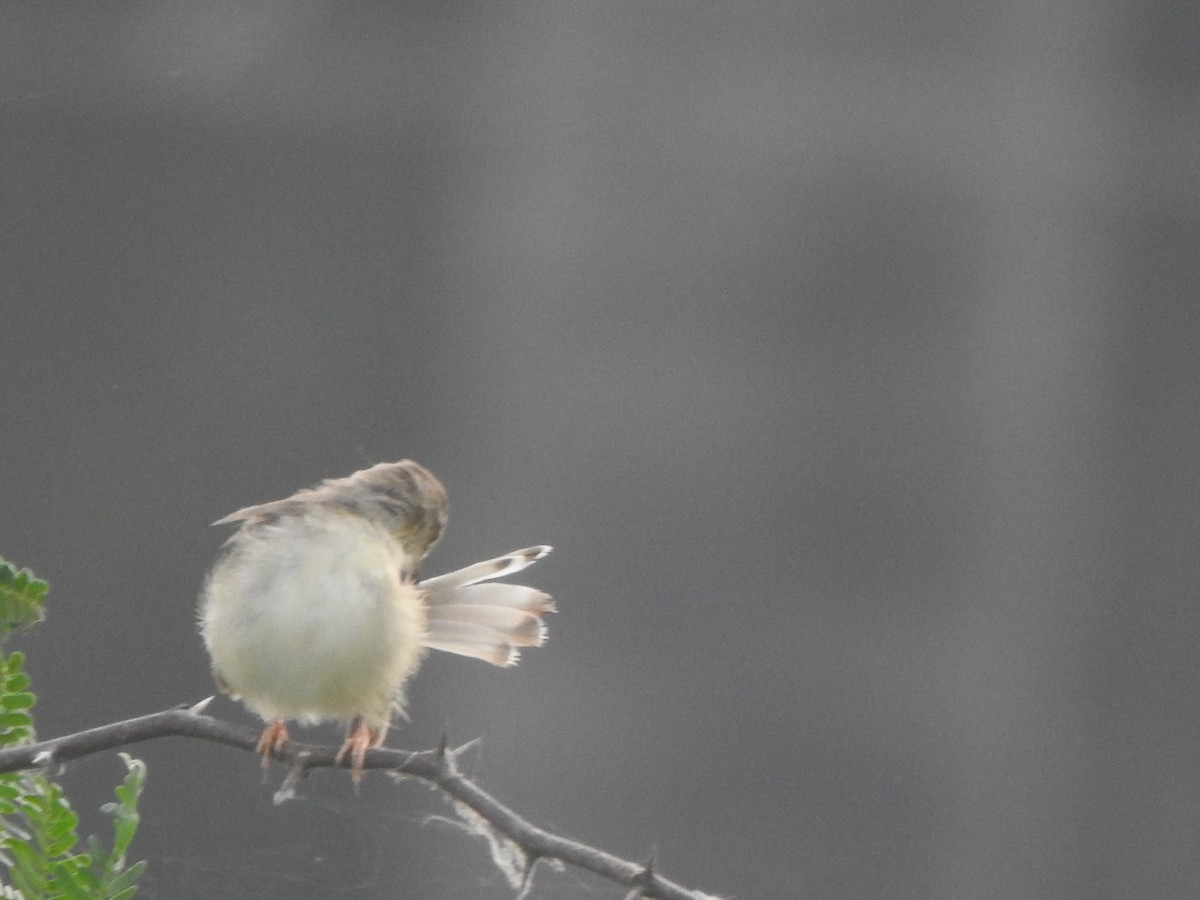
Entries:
{"x":443,"y":746}
{"x":531,"y":860}
{"x":400,"y":773}
{"x":287,"y":790}
{"x":44,"y":758}
{"x":453,"y":755}
{"x":401,"y":769}
{"x":644,"y":878}
{"x":650,"y":865}
{"x":197,"y":708}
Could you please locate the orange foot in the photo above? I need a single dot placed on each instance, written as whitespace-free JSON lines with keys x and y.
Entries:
{"x":360,"y":737}
{"x":274,"y":739}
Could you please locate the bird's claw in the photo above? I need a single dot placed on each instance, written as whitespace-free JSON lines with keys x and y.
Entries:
{"x":360,"y":739}
{"x":274,"y":740}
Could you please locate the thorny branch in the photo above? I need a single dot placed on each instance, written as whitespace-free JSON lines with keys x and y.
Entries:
{"x":435,"y":766}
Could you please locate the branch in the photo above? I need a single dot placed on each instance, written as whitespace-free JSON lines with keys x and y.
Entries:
{"x":436,"y":766}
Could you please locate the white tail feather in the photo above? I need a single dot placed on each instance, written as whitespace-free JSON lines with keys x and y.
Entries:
{"x":510,"y":596}
{"x":520,"y":628}
{"x":486,"y":621}
{"x":469,"y":639}
{"x":489,"y":569}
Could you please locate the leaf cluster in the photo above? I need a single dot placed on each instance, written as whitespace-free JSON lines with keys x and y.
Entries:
{"x":39,"y":841}
{"x":21,"y":596}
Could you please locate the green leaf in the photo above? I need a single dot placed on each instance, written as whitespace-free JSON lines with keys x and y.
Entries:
{"x":15,"y":720}
{"x":63,"y":823}
{"x":17,"y":724}
{"x":39,"y":841}
{"x":17,"y":681}
{"x":18,"y":700}
{"x":21,"y":596}
{"x":117,"y":878}
{"x":26,"y":872}
{"x":122,"y":885}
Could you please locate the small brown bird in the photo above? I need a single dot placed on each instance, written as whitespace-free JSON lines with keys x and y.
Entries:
{"x":314,"y":611}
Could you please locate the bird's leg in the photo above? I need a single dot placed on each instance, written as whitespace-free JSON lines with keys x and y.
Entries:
{"x":274,"y":739}
{"x":360,"y":737}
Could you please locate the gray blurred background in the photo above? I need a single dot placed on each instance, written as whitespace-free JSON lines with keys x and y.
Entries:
{"x":846,"y":352}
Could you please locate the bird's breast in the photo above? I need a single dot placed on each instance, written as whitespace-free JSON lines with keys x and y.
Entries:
{"x":310,"y":619}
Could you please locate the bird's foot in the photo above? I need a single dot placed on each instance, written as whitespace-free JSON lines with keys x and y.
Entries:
{"x":360,"y":738}
{"x":274,"y":740}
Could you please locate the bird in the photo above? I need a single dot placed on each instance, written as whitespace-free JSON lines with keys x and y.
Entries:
{"x":315,"y":610}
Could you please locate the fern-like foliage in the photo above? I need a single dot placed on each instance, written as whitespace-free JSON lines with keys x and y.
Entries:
{"x":39,"y":843}
{"x":21,"y":595}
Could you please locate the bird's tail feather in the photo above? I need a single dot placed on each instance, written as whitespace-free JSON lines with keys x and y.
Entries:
{"x":489,"y":621}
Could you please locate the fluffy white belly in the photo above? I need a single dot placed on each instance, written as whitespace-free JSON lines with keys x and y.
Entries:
{"x":310,"y":620}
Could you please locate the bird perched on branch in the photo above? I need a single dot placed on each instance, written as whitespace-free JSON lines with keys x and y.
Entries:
{"x":314,"y":610}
